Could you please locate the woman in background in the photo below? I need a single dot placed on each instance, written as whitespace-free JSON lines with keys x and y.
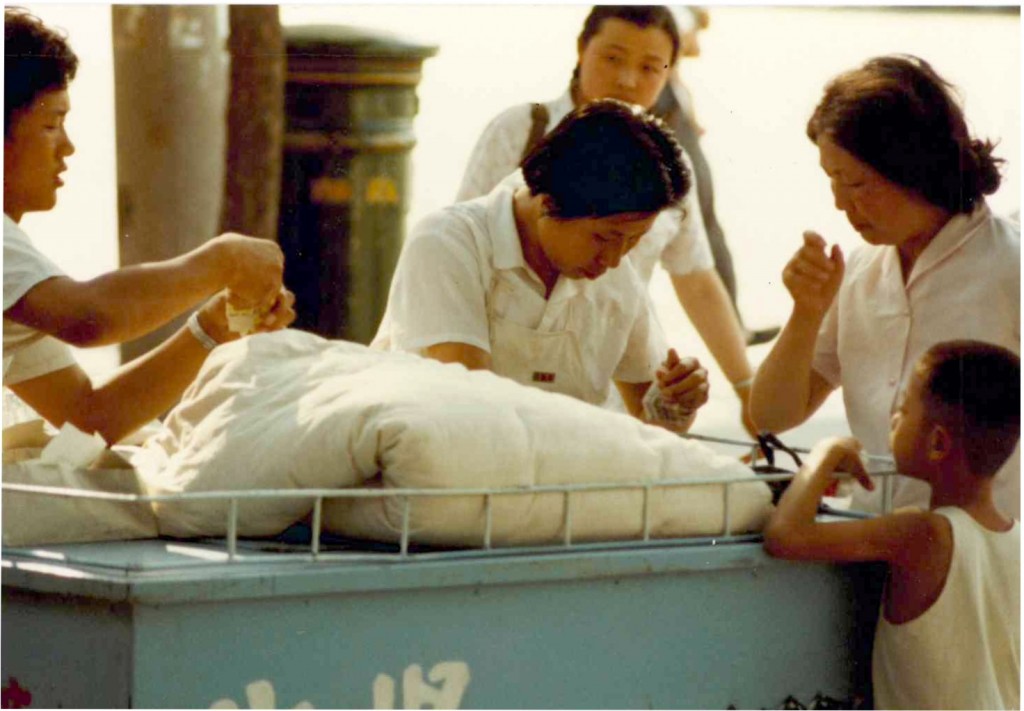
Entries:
{"x":675,"y":106}
{"x":627,"y":53}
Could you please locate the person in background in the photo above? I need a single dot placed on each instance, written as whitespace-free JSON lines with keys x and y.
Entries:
{"x":532,"y":281}
{"x":948,"y":633}
{"x":627,"y":53}
{"x":937,"y":263}
{"x":45,"y":310}
{"x":675,"y":106}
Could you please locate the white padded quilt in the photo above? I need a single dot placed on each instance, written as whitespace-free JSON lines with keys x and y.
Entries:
{"x":292,"y":410}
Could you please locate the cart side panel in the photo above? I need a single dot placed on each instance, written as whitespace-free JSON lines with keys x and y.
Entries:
{"x":64,"y":651}
{"x":706,"y":639}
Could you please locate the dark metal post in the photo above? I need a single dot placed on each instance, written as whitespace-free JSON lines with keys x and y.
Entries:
{"x":350,"y":100}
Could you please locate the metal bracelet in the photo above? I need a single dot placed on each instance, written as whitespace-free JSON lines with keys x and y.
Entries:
{"x":205,"y":339}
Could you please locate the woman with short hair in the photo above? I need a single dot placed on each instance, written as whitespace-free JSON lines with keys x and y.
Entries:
{"x":531,"y":281}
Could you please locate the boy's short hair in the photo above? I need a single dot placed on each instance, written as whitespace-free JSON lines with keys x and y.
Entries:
{"x":974,"y":389}
{"x":36,"y":59}
{"x":607,"y":158}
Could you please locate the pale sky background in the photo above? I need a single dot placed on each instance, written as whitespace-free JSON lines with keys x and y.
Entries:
{"x":760,"y":74}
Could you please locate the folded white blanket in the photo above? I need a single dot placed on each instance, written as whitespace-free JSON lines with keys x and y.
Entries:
{"x":34,"y":457}
{"x":292,"y":410}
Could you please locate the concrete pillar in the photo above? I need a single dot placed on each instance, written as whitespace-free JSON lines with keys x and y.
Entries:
{"x":170,"y":82}
{"x":255,"y":121}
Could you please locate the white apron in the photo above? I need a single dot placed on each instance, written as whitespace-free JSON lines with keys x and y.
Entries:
{"x":549,"y":360}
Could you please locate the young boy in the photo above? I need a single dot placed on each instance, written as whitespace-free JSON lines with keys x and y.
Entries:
{"x":44,"y":309}
{"x":949,"y":630}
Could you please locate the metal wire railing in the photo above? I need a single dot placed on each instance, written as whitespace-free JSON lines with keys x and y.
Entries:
{"x":407,"y":496}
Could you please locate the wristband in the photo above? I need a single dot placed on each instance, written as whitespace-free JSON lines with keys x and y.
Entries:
{"x":743,"y":384}
{"x":205,"y":339}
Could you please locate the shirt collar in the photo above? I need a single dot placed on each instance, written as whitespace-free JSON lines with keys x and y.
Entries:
{"x":501,"y":221}
{"x":13,"y":228}
{"x":566,"y":288}
{"x":953,"y":235}
{"x":508,"y":252}
{"x":13,"y":231}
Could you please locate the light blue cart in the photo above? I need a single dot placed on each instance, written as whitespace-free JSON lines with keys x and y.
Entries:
{"x":683,"y":623}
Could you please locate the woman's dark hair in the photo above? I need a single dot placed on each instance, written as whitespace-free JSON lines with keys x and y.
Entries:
{"x":36,"y":59}
{"x":973,"y":388}
{"x":902,"y":119}
{"x":607,"y":158}
{"x":640,"y":15}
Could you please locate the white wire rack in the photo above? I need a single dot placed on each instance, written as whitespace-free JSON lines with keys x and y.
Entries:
{"x":408,"y":495}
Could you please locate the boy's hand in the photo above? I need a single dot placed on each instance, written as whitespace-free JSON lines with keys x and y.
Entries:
{"x":683,"y":382}
{"x":812,"y":276}
{"x":843,"y":454}
{"x":254,"y":269}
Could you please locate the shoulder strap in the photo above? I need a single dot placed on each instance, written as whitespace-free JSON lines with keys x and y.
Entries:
{"x":676,"y":119}
{"x":539,"y":122}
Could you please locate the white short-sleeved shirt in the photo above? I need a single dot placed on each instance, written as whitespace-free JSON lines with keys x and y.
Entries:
{"x":28,"y":353}
{"x":677,"y":238}
{"x":443,"y":291}
{"x":966,"y":284}
{"x":963,"y":652}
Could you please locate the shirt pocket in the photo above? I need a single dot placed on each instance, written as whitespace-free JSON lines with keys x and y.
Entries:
{"x":515,"y":301}
{"x":502,"y":300}
{"x":601,"y":331}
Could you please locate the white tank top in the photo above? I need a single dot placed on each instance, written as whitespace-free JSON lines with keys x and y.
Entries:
{"x":964,"y":651}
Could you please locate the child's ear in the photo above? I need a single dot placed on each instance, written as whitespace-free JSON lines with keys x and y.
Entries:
{"x":940,"y":444}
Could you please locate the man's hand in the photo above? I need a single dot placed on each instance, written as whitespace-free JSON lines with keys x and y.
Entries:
{"x":281,"y":314}
{"x":813,"y":276}
{"x":682,"y":382}
{"x":254,"y":269}
{"x":213,"y":316}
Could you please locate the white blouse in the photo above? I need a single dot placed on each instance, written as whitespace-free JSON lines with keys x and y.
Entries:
{"x":966,"y":284}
